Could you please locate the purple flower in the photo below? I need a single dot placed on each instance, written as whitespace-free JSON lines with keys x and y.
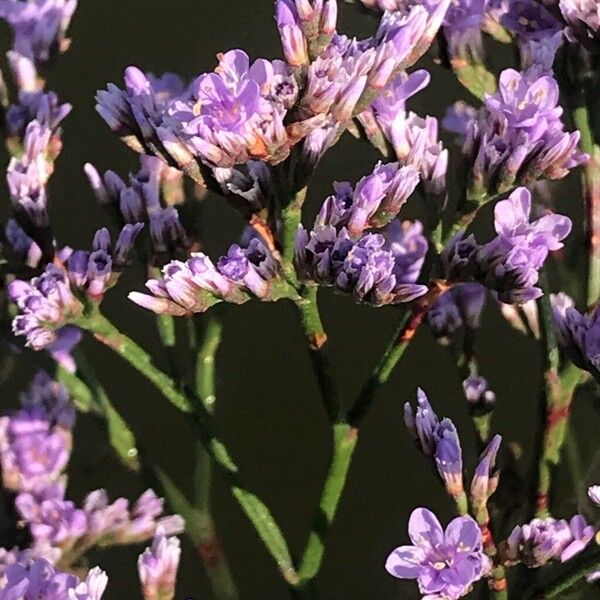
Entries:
{"x":462,"y":28}
{"x":373,"y":269}
{"x":158,"y":565}
{"x":485,"y":478}
{"x":235,"y":114}
{"x":67,"y":338}
{"x":537,"y":542}
{"x":478,"y":393}
{"x":30,"y":580}
{"x":97,"y":271}
{"x":529,"y":20}
{"x":28,"y":175}
{"x":45,"y":304}
{"x":53,"y":520}
{"x":445,"y":564}
{"x":518,"y":136}
{"x":35,"y":441}
{"x":39,"y":26}
{"x":196,"y":284}
{"x":583,"y":18}
{"x":36,"y":106}
{"x":438,"y":439}
{"x":21,"y":247}
{"x":135,"y":113}
{"x":140,"y":201}
{"x":350,"y":74}
{"x":582,"y":534}
{"x":375,"y":200}
{"x":461,"y":306}
{"x":578,"y":334}
{"x":305,"y":28}
{"x":509,"y":264}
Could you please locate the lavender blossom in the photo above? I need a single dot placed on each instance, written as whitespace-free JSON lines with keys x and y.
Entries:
{"x":28,"y":175}
{"x":578,"y":334}
{"x":460,"y":307}
{"x":518,"y":136}
{"x":373,"y":269}
{"x":97,"y":271}
{"x":438,"y":439}
{"x":39,"y":26}
{"x":196,"y":284}
{"x":35,"y":441}
{"x":157,"y":567}
{"x":46,"y":304}
{"x":51,"y":520}
{"x":478,"y":393}
{"x":350,"y":74}
{"x":543,"y":540}
{"x":374,"y":201}
{"x":67,"y":339}
{"x":39,"y":579}
{"x":583,"y":18}
{"x":462,"y":28}
{"x":305,"y":28}
{"x":413,"y":139}
{"x":135,"y":113}
{"x":36,"y":106}
{"x":140,"y":201}
{"x":485,"y":478}
{"x":509,"y":264}
{"x":445,"y":564}
{"x":20,"y":247}
{"x":529,"y":20}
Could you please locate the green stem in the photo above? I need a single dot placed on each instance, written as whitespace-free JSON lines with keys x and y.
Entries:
{"x":207,"y":540}
{"x":560,"y":388}
{"x":345,"y":438}
{"x":317,"y":340}
{"x":165,"y":325}
{"x":262,"y":520}
{"x":120,"y":436}
{"x":591,"y":185}
{"x":291,"y":216}
{"x":400,"y":341}
{"x":199,"y":527}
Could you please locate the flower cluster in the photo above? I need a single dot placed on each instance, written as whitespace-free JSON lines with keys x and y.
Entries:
{"x":245,"y":111}
{"x":97,"y":271}
{"x":139,"y":201}
{"x":46,"y":304}
{"x":57,"y":522}
{"x":35,"y":441}
{"x":376,"y":268}
{"x":445,"y":563}
{"x":438,"y":439}
{"x":509,"y":264}
{"x":414,"y":139}
{"x":39,"y":26}
{"x":542,"y":540}
{"x":518,"y":136}
{"x":197,"y":284}
{"x":578,"y":334}
{"x":39,"y":579}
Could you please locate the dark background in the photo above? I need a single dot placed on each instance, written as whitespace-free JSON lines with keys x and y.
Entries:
{"x":269,"y":410}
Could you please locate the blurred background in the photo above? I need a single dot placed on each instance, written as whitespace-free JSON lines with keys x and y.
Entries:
{"x":268,"y":406}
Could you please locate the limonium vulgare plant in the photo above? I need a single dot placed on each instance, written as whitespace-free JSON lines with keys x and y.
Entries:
{"x":253,"y":131}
